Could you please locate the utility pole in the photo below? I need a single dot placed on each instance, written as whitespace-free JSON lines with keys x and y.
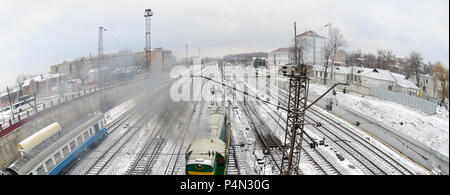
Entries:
{"x":148,"y":15}
{"x":100,"y":65}
{"x":333,"y":54}
{"x":186,"y":54}
{"x":297,"y":104}
{"x":10,"y":103}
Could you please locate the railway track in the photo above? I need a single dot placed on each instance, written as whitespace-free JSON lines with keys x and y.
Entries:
{"x":314,"y":156}
{"x":259,"y":125}
{"x":120,"y":121}
{"x":104,"y":160}
{"x":393,"y":166}
{"x":267,"y":138}
{"x":175,"y":164}
{"x":233,"y":165}
{"x":361,"y":160}
{"x":370,"y":158}
{"x":320,"y":163}
{"x":149,"y":153}
{"x":144,"y":161}
{"x":117,"y":145}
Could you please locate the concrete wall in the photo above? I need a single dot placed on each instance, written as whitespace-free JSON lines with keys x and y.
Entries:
{"x":64,"y":115}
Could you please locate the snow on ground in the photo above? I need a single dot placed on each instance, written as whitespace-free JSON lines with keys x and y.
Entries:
{"x":119,"y":110}
{"x":431,"y":130}
{"x":405,"y":161}
{"x":346,"y":167}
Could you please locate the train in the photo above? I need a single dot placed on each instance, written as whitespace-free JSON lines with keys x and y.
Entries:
{"x":52,"y":149}
{"x":208,"y":155}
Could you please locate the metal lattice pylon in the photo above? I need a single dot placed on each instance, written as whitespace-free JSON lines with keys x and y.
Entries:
{"x":297,"y":104}
{"x":148,"y":47}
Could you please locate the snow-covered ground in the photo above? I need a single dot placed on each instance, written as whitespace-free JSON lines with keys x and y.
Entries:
{"x":431,"y":130}
{"x":248,"y":155}
{"x":119,"y":110}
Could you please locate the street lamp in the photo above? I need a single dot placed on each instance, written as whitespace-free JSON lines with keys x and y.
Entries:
{"x":314,"y":43}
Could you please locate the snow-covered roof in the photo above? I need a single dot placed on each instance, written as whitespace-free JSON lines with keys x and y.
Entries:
{"x":337,"y":69}
{"x":11,"y":91}
{"x":403,"y":82}
{"x":26,"y":82}
{"x":378,"y":74}
{"x":310,"y":33}
{"x":42,"y":77}
{"x":287,"y":49}
{"x":47,"y":76}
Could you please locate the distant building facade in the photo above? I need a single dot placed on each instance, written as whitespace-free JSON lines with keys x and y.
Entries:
{"x":313,"y":46}
{"x":281,"y":56}
{"x":363,"y":79}
{"x":427,"y":84}
{"x":43,"y":84}
{"x":83,"y":68}
{"x":160,"y":58}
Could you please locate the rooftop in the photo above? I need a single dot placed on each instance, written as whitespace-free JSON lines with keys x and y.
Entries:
{"x":378,"y":74}
{"x":310,"y":33}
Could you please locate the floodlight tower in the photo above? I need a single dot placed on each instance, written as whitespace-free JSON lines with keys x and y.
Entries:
{"x":100,"y":69}
{"x":148,"y":15}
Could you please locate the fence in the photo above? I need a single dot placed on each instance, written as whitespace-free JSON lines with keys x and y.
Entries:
{"x":9,"y":124}
{"x":405,"y":99}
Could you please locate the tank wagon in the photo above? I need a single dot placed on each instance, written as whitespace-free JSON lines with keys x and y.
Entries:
{"x":54,"y":153}
{"x":208,"y":155}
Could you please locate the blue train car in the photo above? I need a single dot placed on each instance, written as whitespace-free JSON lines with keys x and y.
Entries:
{"x":55,"y":153}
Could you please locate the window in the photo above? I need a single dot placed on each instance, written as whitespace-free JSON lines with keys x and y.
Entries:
{"x":188,"y":154}
{"x":86,"y":135}
{"x":92,"y":131}
{"x":57,"y":157}
{"x":73,"y":145}
{"x":40,"y":170}
{"x":79,"y":140}
{"x":65,"y":151}
{"x":49,"y":164}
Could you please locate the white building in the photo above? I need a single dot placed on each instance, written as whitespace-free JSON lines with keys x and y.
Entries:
{"x":364,"y":78}
{"x":281,"y":56}
{"x":196,"y":60}
{"x":427,"y":85}
{"x":313,"y":45}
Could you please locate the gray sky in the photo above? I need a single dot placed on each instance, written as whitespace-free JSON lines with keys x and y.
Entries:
{"x":37,"y":34}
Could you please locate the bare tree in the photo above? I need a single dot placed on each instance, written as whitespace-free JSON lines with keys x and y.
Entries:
{"x":302,"y":45}
{"x":353,"y":58}
{"x":441,"y":75}
{"x":414,"y":63}
{"x":335,"y":42}
{"x":385,"y":59}
{"x":19,"y":81}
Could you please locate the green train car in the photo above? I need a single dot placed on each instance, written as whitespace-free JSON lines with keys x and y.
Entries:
{"x":209,"y":155}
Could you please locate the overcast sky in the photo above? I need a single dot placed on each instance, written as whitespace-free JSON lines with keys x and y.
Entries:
{"x":37,"y":34}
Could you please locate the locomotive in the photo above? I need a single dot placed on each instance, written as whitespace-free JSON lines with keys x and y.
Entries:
{"x":208,"y":155}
